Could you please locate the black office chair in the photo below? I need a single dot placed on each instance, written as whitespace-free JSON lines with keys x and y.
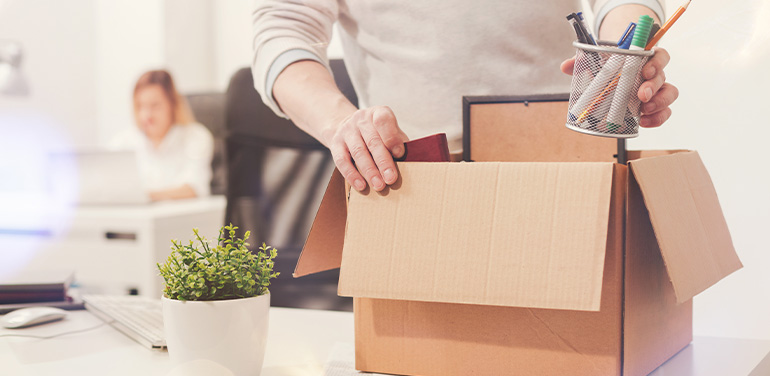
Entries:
{"x":209,"y":110}
{"x":277,"y":175}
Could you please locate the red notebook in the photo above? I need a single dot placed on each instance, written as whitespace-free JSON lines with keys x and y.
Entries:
{"x":427,"y":149}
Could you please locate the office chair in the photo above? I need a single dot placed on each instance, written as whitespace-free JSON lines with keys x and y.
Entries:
{"x":277,"y":175}
{"x":209,"y":110}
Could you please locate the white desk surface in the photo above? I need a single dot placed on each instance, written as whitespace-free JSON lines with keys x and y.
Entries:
{"x":299,"y":343}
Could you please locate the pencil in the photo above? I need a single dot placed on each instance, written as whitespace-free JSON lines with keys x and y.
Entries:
{"x":599,"y":98}
{"x":667,"y":25}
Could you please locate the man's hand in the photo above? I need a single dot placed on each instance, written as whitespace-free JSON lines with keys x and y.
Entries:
{"x":363,"y":146}
{"x":362,"y":142}
{"x":655,"y":93}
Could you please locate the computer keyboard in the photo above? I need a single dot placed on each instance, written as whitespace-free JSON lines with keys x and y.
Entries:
{"x":138,"y":317}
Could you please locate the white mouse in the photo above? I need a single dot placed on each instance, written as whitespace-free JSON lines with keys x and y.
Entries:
{"x":25,"y":317}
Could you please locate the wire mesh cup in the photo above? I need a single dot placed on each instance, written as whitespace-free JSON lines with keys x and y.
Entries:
{"x":603,"y":99}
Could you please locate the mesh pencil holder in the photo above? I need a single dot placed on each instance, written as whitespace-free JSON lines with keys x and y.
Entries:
{"x":603,"y":98}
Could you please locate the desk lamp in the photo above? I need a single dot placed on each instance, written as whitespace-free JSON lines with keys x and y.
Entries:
{"x":12,"y":81}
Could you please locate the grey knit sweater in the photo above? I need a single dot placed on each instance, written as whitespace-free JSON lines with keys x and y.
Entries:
{"x":420,"y":57}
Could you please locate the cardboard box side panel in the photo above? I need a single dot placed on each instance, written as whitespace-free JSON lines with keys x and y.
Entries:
{"x":639,"y":154}
{"x":509,"y":234}
{"x":688,"y":221}
{"x":323,"y":247}
{"x":432,"y":339}
{"x":655,"y":326}
{"x":535,"y":132}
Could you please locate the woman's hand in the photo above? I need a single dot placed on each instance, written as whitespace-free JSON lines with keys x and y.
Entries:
{"x":363,"y":146}
{"x":655,"y":93}
{"x":178,"y":193}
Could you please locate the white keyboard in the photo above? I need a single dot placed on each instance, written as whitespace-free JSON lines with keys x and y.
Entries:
{"x":138,"y":317}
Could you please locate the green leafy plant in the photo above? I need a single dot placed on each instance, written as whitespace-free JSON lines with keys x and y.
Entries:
{"x":227,"y":271}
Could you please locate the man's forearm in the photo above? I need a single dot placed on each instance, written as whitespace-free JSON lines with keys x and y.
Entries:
{"x":307,"y":93}
{"x":617,"y":20}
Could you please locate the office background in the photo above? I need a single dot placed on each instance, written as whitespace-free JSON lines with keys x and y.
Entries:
{"x":81,"y":58}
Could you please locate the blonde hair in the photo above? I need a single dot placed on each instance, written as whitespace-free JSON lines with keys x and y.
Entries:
{"x":180,"y":109}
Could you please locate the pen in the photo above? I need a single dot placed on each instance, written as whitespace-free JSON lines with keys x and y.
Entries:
{"x":581,"y":35}
{"x":623,"y":43}
{"x":586,"y":38}
{"x":598,"y":85}
{"x":586,"y":29}
{"x":667,"y":25}
{"x":626,"y":35}
{"x":616,"y":115}
{"x":601,"y":98}
{"x":653,"y":31}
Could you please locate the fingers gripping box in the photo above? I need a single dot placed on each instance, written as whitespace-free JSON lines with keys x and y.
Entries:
{"x":546,"y":268}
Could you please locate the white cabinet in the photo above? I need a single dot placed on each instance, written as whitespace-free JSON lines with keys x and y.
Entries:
{"x":112,"y":249}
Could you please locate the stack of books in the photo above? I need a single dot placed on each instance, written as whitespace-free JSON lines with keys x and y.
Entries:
{"x":29,"y":289}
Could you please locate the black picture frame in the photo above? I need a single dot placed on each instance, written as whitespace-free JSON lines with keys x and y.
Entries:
{"x":468,"y":101}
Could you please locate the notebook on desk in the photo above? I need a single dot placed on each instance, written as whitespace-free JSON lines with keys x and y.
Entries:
{"x":48,"y":288}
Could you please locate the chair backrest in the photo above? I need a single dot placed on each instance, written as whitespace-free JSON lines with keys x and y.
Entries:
{"x":277,"y":175}
{"x":209,"y":110}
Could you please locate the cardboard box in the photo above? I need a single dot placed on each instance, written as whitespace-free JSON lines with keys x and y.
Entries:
{"x":561,"y":263}
{"x":490,"y":268}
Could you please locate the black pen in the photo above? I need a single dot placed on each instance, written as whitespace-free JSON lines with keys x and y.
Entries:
{"x":581,"y":35}
{"x":586,"y":29}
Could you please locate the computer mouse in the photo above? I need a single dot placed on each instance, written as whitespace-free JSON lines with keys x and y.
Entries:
{"x":22,"y":318}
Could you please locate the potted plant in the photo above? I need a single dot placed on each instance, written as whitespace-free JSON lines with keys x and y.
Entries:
{"x":216,"y":302}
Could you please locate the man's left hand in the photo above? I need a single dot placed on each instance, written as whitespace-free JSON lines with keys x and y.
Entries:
{"x":656,"y":94}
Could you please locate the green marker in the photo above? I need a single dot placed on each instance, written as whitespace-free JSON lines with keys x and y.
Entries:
{"x":623,"y":93}
{"x":642,"y":33}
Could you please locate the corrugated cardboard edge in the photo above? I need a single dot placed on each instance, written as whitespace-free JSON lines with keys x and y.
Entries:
{"x":689,"y":225}
{"x":378,"y":261}
{"x":655,"y":327}
{"x":441,"y":339}
{"x":323,"y":247}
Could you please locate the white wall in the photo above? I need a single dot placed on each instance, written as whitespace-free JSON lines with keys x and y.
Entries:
{"x":129,"y":41}
{"x":232,"y":35}
{"x":58,"y":62}
{"x":83,"y":56}
{"x":232,"y":39}
{"x":189,"y":43}
{"x":134,"y":36}
{"x":719,"y":61}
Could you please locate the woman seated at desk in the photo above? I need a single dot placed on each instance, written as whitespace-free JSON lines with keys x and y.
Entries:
{"x":173,"y":150}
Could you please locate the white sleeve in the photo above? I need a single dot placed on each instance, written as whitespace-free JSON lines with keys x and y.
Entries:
{"x":602,"y":7}
{"x":198,"y":149}
{"x":279,"y":26}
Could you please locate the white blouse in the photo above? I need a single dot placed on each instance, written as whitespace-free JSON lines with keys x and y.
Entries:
{"x":183,"y":157}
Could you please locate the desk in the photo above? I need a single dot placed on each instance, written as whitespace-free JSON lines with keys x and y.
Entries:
{"x":111,"y":248}
{"x":298,"y":344}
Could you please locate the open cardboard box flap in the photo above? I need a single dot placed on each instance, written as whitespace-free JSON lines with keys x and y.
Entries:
{"x":514,"y":234}
{"x":687,"y":219}
{"x":323,"y":247}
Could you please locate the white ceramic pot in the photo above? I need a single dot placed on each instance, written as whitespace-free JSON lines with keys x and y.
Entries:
{"x":228,"y":335}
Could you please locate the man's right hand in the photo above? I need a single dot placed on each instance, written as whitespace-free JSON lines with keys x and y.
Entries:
{"x":363,"y":146}
{"x":363,"y":142}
